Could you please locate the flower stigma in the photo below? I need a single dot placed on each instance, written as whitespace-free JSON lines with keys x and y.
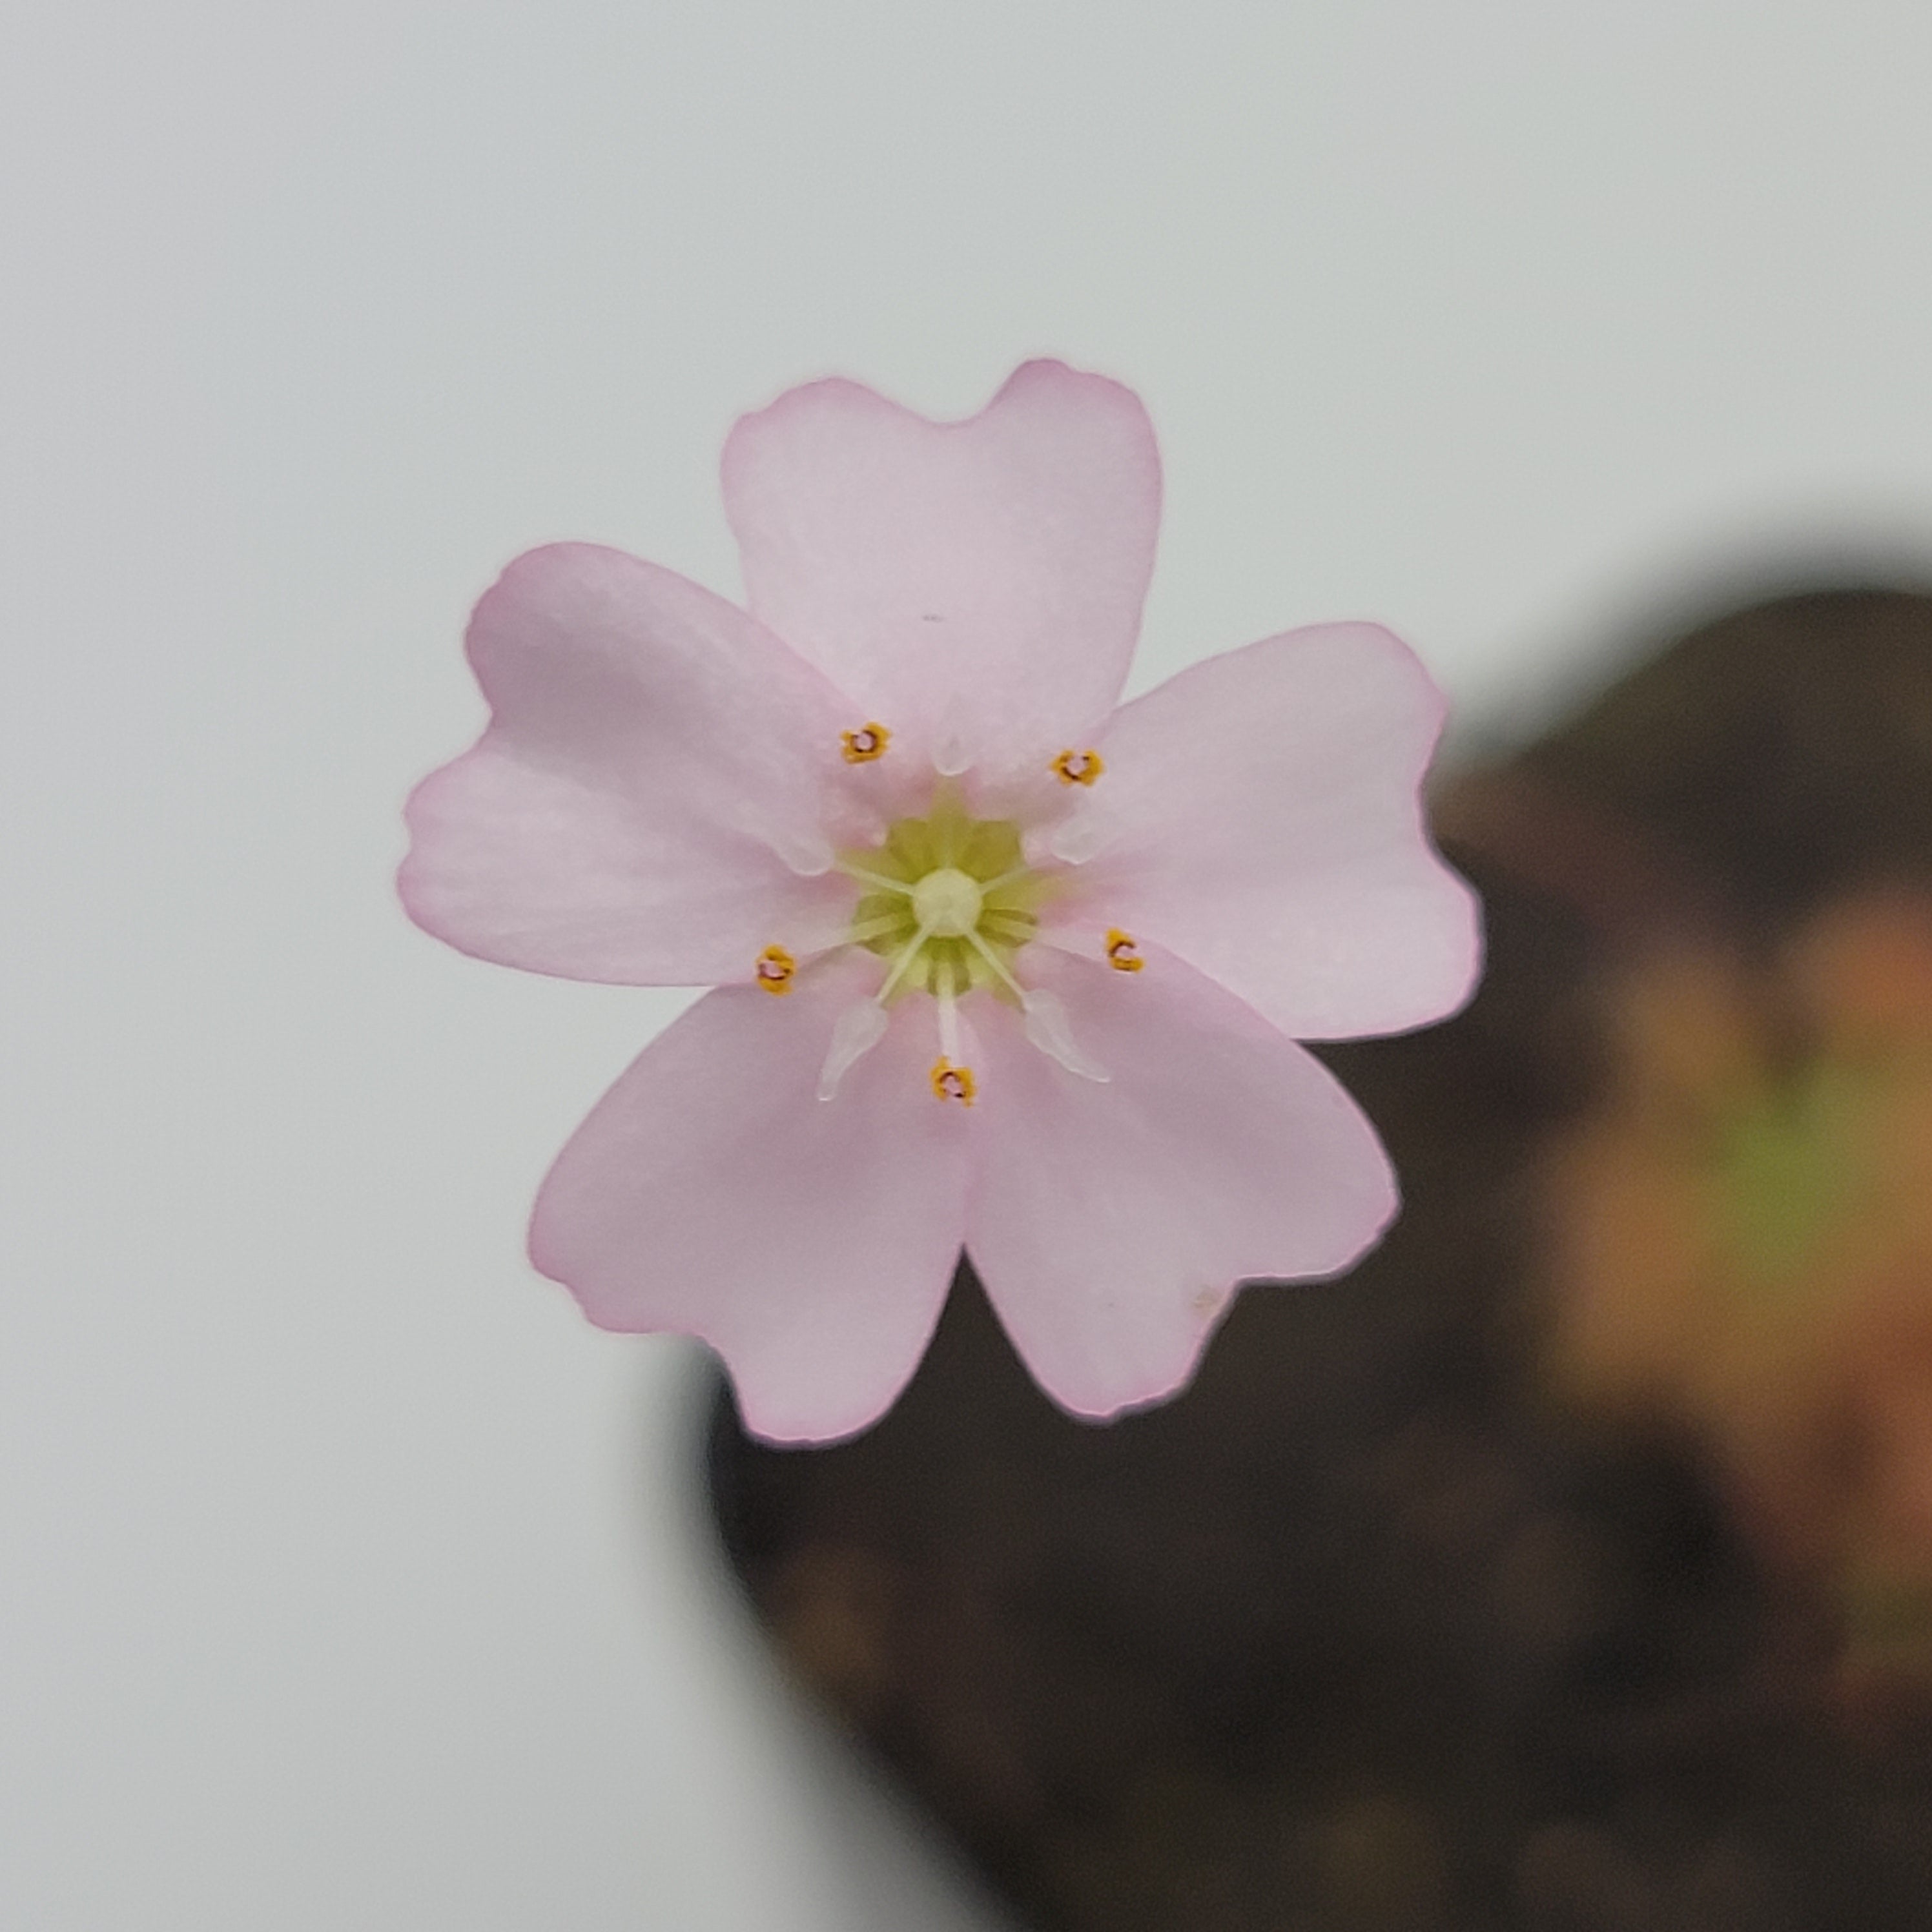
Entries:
{"x":951,"y":899}
{"x":948,"y":900}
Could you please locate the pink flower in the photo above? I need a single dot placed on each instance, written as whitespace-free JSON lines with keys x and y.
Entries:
{"x":996,"y":964}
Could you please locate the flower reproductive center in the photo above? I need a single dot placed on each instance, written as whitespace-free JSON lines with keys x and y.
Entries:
{"x":949,"y":902}
{"x":999,"y":963}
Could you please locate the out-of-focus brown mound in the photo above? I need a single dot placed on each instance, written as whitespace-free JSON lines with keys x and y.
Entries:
{"x":1436,"y":1604}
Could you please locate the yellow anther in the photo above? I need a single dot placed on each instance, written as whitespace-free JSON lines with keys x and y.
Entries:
{"x":952,"y":1083}
{"x":775,"y":970}
{"x":867,"y":742}
{"x":1123,"y":953}
{"x":1078,"y":767}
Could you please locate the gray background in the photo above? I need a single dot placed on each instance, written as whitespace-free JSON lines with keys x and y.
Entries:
{"x":350,"y":1581}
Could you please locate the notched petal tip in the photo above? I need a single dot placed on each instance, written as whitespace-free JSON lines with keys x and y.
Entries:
{"x":710,"y":1194}
{"x":1271,"y":831}
{"x":1042,"y":381}
{"x":1113,"y":1405}
{"x":784,"y":1426}
{"x":1463,"y":950}
{"x":532,"y":581}
{"x":1110,"y":1226}
{"x":976,"y":583}
{"x":1046,"y":379}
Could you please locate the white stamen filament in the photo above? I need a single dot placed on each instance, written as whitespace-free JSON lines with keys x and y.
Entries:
{"x":949,"y":1020}
{"x":878,"y":881}
{"x":950,"y":756}
{"x":1047,"y":1028}
{"x":857,"y":1031}
{"x":804,"y":853}
{"x":908,"y":953}
{"x":1078,"y":838}
{"x":997,"y":966}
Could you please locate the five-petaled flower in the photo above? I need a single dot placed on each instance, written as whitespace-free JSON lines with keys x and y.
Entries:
{"x":1043,"y":960}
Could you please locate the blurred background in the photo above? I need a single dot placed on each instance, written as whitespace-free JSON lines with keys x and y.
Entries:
{"x":350,"y":1580}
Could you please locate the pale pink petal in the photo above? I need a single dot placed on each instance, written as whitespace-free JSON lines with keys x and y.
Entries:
{"x":1111,"y":1224}
{"x":975,"y":585}
{"x":1259,"y":815}
{"x":810,"y":1242}
{"x":650,"y":787}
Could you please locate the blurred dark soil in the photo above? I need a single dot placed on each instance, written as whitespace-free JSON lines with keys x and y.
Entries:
{"x":1364,"y":1634}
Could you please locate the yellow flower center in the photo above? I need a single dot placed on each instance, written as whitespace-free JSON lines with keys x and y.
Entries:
{"x":949,"y":900}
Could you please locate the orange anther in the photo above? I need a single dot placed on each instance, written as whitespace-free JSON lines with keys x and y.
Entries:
{"x":952,"y":1083}
{"x":775,"y":970}
{"x":1080,"y":768}
{"x":1123,"y":953}
{"x":867,"y":742}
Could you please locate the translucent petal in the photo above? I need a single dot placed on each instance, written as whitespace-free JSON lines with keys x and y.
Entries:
{"x":1111,"y":1225}
{"x":1263,"y":821}
{"x":977,"y":585}
{"x":711,"y":1192}
{"x":647,"y":804}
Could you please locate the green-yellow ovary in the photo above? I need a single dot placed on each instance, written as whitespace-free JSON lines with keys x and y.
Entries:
{"x":963,"y":884}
